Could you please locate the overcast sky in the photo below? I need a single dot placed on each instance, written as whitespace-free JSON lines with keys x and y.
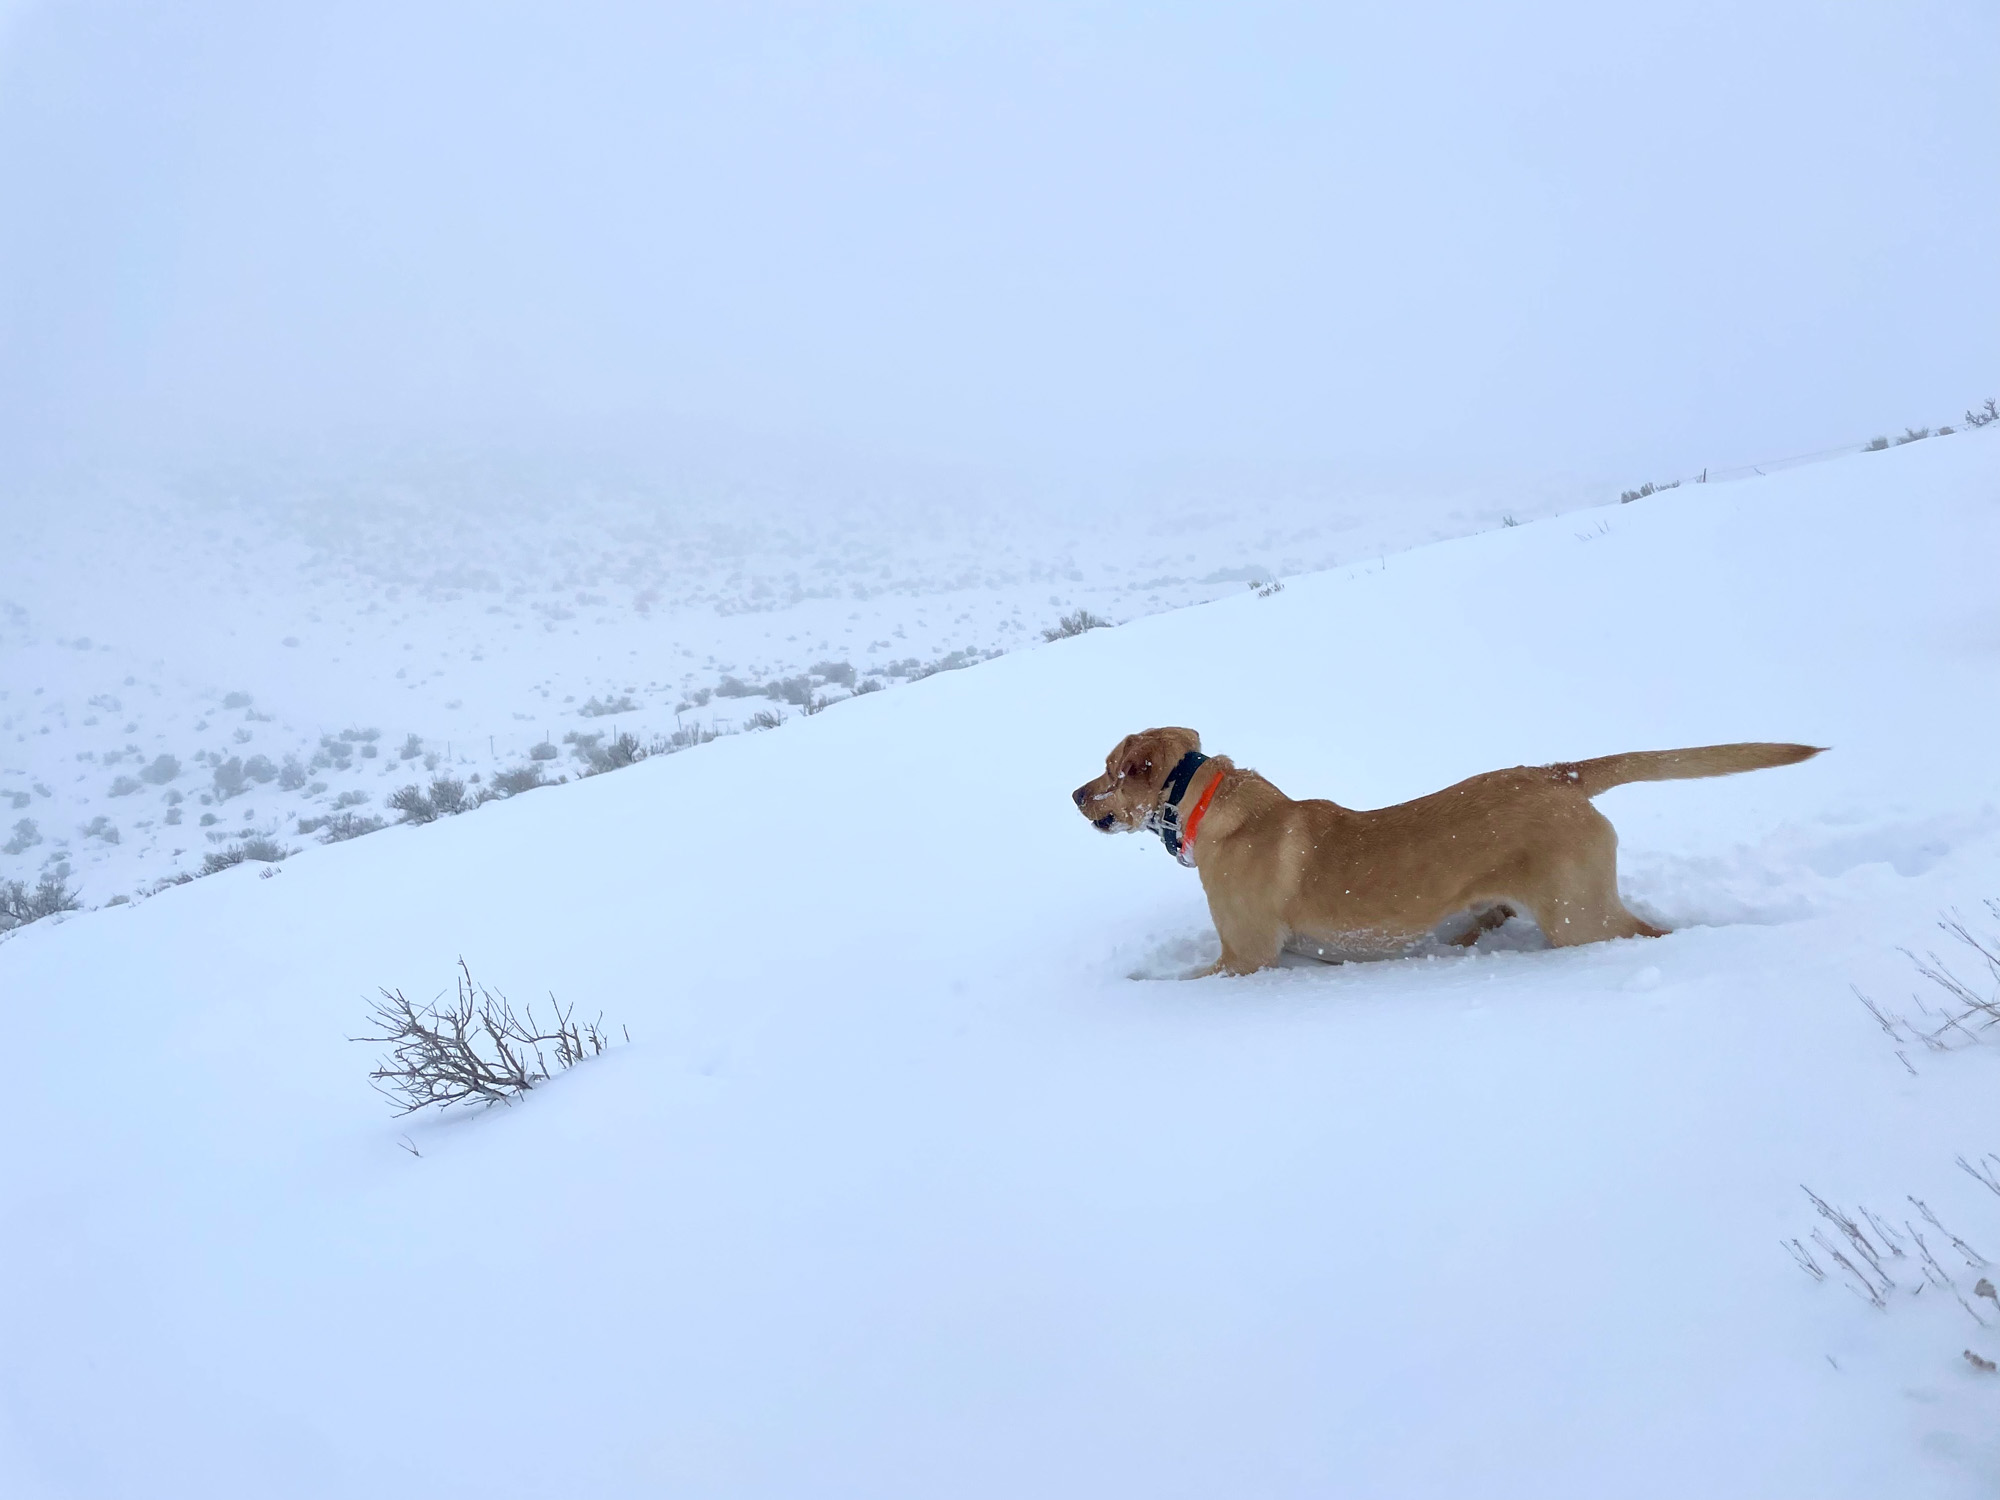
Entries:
{"x":1400,"y":239}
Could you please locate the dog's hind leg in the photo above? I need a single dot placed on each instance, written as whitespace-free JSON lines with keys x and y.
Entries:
{"x":1484,"y":920}
{"x":1576,"y":900}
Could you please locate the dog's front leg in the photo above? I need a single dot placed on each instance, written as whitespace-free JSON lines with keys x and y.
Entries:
{"x":1246,"y":948}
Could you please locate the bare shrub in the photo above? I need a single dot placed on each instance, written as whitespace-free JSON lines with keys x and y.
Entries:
{"x":472,"y":1048}
{"x":260,"y":769}
{"x":20,"y":905}
{"x":957,"y":661}
{"x":415,"y":807}
{"x":597,"y":709}
{"x":841,"y":672}
{"x":261,"y":851}
{"x":124,"y":786}
{"x":1991,"y":413}
{"x":1876,"y":445}
{"x":513,"y":783}
{"x":230,"y":780}
{"x":164,"y":768}
{"x":341,"y":827}
{"x":445,"y":797}
{"x":764,"y":718}
{"x":1074,"y":624}
{"x":1626,"y":497}
{"x":1966,"y":1015}
{"x":543,"y":751}
{"x":1913,"y":435}
{"x":733,"y":687}
{"x":291,"y":775}
{"x":413,"y":746}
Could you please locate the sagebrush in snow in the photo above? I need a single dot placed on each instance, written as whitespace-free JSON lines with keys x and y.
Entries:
{"x":1075,"y":624}
{"x":254,"y":851}
{"x":20,"y":905}
{"x":1967,"y":1015}
{"x":445,"y":798}
{"x":473,"y":1048}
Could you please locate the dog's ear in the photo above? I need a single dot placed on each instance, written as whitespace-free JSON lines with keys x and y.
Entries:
{"x":1150,"y":755}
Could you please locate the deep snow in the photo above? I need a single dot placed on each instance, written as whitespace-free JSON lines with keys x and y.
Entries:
{"x":916,"y":1179}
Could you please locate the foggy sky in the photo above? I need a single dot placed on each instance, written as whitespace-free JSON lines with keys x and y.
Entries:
{"x":1244,"y":240}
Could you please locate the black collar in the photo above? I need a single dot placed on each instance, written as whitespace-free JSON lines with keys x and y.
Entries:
{"x":1166,"y":822}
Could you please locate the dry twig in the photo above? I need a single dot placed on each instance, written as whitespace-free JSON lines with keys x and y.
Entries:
{"x":473,"y":1048}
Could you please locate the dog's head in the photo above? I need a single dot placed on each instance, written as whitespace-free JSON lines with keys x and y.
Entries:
{"x":1127,"y":795}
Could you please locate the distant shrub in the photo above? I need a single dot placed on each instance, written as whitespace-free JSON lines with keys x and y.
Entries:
{"x":445,"y":797}
{"x":259,"y":769}
{"x":101,"y":827}
{"x":344,"y":826}
{"x":958,"y":661}
{"x":1876,"y":445}
{"x":597,"y":709}
{"x":764,"y":718}
{"x":230,"y":780}
{"x":255,"y":851}
{"x":411,"y":802}
{"x":26,"y":835}
{"x":1074,"y":624}
{"x":1913,"y":435}
{"x":687,"y":737}
{"x":350,"y":799}
{"x":413,"y":746}
{"x":163,"y":770}
{"x":599,"y":757}
{"x":543,"y":751}
{"x":237,"y":700}
{"x":841,"y":672}
{"x":291,"y":775}
{"x":370,"y":750}
{"x":867,"y":685}
{"x":1626,"y":497}
{"x":732,"y":687}
{"x":513,"y":783}
{"x":1991,"y":413}
{"x":20,"y":905}
{"x":361,"y":736}
{"x":125,"y":786}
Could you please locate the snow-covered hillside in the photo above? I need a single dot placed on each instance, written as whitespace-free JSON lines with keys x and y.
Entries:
{"x":240,"y":657}
{"x":920,"y":1177}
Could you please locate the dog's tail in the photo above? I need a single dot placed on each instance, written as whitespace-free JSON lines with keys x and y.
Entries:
{"x":1607,"y":771}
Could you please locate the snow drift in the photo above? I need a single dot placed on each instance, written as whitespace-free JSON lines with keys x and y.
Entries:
{"x":914,"y":1182}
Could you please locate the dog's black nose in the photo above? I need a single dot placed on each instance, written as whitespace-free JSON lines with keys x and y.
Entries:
{"x":1079,"y":794}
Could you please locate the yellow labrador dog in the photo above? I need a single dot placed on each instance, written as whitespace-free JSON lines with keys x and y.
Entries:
{"x":1369,"y":884}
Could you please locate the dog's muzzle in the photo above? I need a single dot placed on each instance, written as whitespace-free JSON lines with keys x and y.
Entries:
{"x":1083,"y":797}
